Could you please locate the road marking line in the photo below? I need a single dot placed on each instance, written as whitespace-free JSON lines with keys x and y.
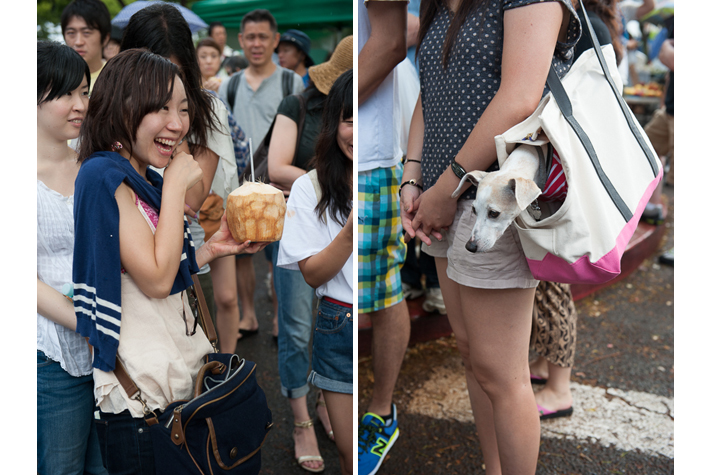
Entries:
{"x":627,"y":420}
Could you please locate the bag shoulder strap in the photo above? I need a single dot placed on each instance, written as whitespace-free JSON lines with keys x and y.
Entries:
{"x":205,"y":320}
{"x":301,"y":121}
{"x":554,"y":83}
{"x":232,"y":89}
{"x":287,"y":80}
{"x":313,"y":175}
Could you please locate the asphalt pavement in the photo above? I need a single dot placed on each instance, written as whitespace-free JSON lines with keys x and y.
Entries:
{"x":622,"y":383}
{"x":277,"y":452}
{"x":623,"y":387}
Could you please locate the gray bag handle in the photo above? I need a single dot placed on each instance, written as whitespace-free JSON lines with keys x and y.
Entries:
{"x":558,"y":92}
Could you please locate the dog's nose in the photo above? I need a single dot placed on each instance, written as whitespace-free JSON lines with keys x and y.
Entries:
{"x":471,"y":246}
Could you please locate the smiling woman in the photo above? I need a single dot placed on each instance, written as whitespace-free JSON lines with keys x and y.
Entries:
{"x":136,"y":252}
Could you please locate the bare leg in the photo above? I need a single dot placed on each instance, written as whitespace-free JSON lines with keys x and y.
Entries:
{"x":224,"y":283}
{"x":246,"y":285}
{"x":492,"y":329}
{"x":341,"y":406}
{"x":275,"y":300}
{"x":538,"y":367}
{"x":390,"y":336}
{"x":322,"y":412}
{"x":556,"y":394}
{"x":304,"y":437}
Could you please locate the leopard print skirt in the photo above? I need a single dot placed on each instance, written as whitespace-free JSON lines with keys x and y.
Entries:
{"x":554,"y":332}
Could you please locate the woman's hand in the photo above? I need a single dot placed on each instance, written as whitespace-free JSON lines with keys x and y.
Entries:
{"x":223,"y":244}
{"x":408,"y":209}
{"x":435,"y":212}
{"x":183,"y":169}
{"x":212,"y":84}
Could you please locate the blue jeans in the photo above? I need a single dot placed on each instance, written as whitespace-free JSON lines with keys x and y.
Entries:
{"x":126,"y":444}
{"x":295,"y":317}
{"x":333,"y":348}
{"x":66,"y":434}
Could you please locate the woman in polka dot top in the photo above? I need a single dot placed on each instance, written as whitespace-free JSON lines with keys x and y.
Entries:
{"x":483,"y":66}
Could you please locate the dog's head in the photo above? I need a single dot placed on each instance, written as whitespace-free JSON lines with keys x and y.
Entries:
{"x":499,"y":200}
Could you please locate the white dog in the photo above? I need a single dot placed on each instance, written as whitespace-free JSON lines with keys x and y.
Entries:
{"x":502,"y":195}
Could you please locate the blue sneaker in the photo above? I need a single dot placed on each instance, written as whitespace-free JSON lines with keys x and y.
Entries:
{"x":374,"y":441}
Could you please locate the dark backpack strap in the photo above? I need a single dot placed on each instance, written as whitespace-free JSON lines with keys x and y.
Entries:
{"x":287,"y":79}
{"x":232,"y":89}
{"x":301,"y":121}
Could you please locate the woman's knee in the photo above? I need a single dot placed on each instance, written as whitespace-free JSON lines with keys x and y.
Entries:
{"x":497,"y":381}
{"x":226,"y":300}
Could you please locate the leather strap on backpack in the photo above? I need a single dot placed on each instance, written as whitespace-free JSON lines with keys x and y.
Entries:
{"x":203,"y":317}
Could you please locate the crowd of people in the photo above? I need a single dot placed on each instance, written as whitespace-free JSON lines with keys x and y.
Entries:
{"x":482,"y":68}
{"x":140,"y":140}
{"x":141,"y":137}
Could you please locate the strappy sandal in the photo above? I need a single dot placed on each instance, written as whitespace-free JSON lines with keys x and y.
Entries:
{"x":309,"y":458}
{"x":321,"y":402}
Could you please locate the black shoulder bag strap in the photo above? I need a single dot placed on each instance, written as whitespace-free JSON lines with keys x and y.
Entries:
{"x":232,"y":89}
{"x":287,"y":82}
{"x":558,"y":92}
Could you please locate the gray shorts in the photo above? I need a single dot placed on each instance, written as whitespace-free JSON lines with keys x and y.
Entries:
{"x":503,"y":267}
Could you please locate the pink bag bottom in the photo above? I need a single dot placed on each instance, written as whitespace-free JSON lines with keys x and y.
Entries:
{"x":555,"y":269}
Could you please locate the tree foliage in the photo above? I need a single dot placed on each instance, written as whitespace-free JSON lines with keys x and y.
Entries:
{"x":50,"y":11}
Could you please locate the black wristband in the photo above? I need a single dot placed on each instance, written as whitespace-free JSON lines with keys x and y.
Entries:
{"x":410,"y":182}
{"x":457,"y":169}
{"x":407,"y":160}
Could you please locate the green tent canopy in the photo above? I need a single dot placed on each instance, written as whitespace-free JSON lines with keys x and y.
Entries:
{"x":298,"y":14}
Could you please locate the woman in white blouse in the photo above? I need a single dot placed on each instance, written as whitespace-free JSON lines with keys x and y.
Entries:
{"x":65,"y":399}
{"x":318,"y":240}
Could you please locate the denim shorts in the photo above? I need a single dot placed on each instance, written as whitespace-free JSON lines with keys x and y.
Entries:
{"x":332,"y":357}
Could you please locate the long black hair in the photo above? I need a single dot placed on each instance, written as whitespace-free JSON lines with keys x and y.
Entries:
{"x":428,"y":11}
{"x":60,"y":70}
{"x":335,"y":170}
{"x":162,"y":29}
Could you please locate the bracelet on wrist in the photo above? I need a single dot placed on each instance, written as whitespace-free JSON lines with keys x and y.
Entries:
{"x":407,"y":160}
{"x":410,"y":182}
{"x":458,"y":170}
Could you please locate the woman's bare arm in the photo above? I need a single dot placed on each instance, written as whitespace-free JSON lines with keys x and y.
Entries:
{"x":153,"y":260}
{"x":528,"y":45}
{"x":55,"y":306}
{"x":282,"y":151}
{"x":322,"y":267}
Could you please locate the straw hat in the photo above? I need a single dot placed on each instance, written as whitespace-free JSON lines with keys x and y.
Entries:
{"x":324,"y":75}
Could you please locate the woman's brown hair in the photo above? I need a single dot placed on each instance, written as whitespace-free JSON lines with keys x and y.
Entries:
{"x":133,"y":84}
{"x":428,"y":11}
{"x":608,"y":12}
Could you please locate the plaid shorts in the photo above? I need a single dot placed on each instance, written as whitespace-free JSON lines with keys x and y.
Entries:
{"x":381,"y":248}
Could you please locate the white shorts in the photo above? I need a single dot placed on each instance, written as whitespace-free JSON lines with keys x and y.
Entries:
{"x":503,"y":267}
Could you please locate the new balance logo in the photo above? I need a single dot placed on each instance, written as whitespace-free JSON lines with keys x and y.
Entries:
{"x":379,"y":447}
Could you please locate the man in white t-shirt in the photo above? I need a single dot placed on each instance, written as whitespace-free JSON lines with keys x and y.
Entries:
{"x":382,"y":27}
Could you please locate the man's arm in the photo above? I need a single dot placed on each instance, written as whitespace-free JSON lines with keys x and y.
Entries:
{"x":385,"y":48}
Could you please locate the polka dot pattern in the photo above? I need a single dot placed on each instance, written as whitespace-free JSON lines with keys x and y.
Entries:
{"x":454,"y":98}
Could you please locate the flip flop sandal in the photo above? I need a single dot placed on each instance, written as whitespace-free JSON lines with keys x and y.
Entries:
{"x":547,"y":414}
{"x":309,"y":458}
{"x":537,"y":379}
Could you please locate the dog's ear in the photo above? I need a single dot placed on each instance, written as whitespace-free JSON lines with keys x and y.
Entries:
{"x":474,"y":177}
{"x":525,"y":191}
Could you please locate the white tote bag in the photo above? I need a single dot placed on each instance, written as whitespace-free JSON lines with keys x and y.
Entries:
{"x":610,"y":165}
